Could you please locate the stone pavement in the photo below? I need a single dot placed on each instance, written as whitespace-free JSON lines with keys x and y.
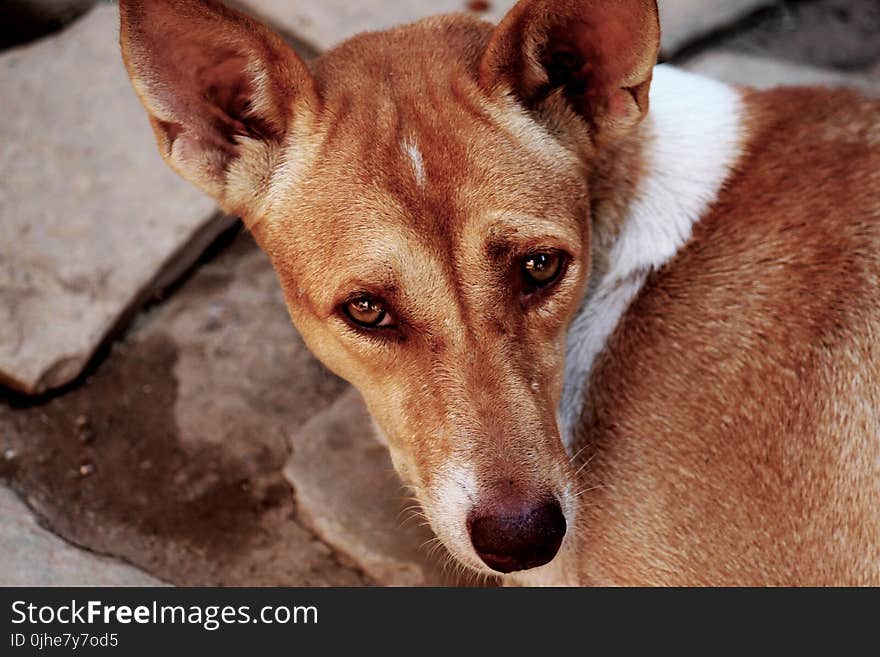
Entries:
{"x":324,"y":24}
{"x":763,"y":72}
{"x":91,"y":216}
{"x":33,"y":556}
{"x":684,"y":21}
{"x":206,"y":446}
{"x":350,"y":496}
{"x":170,"y":453}
{"x":24,"y":20}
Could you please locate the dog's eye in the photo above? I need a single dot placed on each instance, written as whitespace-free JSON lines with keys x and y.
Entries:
{"x":368,"y":312}
{"x":541,"y":269}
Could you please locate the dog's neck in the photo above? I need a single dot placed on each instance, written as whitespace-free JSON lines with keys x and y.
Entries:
{"x":649,"y":192}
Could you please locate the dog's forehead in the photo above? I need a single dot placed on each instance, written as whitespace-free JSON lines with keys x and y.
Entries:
{"x":435,"y":156}
{"x":414,"y":91}
{"x":426,"y":49}
{"x":404,"y":184}
{"x":411,"y":151}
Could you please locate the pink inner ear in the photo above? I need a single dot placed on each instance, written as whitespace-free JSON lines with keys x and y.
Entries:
{"x":210,"y":77}
{"x":223,"y":79}
{"x":593,"y":59}
{"x":196,"y":67}
{"x":214,"y":84}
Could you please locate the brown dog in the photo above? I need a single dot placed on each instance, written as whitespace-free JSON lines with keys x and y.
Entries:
{"x":606,"y":345}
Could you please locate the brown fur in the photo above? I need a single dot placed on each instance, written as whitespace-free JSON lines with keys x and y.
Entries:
{"x":735,"y":433}
{"x":730,"y":417}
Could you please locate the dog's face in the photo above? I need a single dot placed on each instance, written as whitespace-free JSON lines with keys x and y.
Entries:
{"x":432,"y":249}
{"x":422,"y":194}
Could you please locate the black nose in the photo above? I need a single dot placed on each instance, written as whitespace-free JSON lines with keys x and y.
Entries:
{"x":518,"y":538}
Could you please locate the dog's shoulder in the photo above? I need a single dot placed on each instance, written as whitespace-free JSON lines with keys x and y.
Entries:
{"x":750,"y":363}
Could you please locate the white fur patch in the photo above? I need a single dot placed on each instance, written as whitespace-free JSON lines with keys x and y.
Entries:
{"x":456,"y":490}
{"x":411,"y":148}
{"x":697,"y":129}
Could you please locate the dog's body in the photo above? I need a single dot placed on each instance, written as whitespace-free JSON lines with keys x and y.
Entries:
{"x":735,"y":410}
{"x":606,"y":345}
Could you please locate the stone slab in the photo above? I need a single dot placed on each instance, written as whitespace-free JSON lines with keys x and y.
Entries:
{"x":324,"y":23}
{"x":24,"y":20}
{"x":834,"y":34}
{"x":170,"y":453}
{"x":89,"y":213}
{"x":348,"y":493}
{"x":684,"y":21}
{"x":33,"y":556}
{"x":764,"y":73}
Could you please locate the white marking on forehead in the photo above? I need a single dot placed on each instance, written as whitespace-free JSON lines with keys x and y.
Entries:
{"x":411,"y":148}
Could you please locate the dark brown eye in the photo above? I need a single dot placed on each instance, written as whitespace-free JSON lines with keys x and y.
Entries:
{"x":541,"y":269}
{"x":367,"y":312}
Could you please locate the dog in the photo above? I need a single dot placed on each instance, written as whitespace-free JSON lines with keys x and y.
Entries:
{"x":619,"y":324}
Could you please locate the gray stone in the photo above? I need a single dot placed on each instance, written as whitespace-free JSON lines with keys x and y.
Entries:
{"x":324,"y":23}
{"x":170,"y":454}
{"x":89,"y":213}
{"x":348,"y":493}
{"x":33,"y":556}
{"x":763,"y":73}
{"x":683,"y":21}
{"x":840,"y":34}
{"x":24,"y":20}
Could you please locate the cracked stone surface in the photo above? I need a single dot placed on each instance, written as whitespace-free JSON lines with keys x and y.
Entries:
{"x":843,"y":34}
{"x":825,"y":33}
{"x":350,"y":495}
{"x":24,"y":543}
{"x":765,"y":73}
{"x":89,"y":213}
{"x":324,"y":23}
{"x":24,"y":20}
{"x":683,"y":21}
{"x":170,"y":455}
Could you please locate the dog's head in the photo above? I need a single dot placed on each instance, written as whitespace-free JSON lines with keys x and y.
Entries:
{"x":423,"y":195}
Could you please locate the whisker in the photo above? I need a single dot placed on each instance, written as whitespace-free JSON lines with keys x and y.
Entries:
{"x":584,"y":465}
{"x":578,"y":453}
{"x":587,"y":490}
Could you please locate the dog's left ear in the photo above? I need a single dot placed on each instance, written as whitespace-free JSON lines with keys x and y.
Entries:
{"x":599,"y":53}
{"x":220,"y":90}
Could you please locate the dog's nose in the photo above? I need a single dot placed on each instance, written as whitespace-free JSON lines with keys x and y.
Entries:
{"x":517,"y":536}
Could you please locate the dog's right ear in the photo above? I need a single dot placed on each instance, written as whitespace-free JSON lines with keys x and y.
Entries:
{"x":220,"y":88}
{"x":599,"y":54}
